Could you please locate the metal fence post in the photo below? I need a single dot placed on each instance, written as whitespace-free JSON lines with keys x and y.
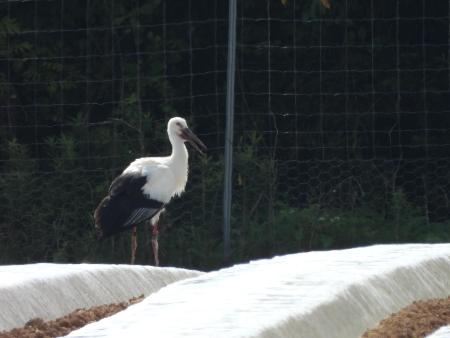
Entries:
{"x":231,"y":68}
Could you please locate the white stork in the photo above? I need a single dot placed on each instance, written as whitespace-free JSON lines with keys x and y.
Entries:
{"x":141,"y":192}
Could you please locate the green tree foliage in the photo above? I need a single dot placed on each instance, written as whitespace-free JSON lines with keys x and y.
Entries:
{"x":357,"y":156}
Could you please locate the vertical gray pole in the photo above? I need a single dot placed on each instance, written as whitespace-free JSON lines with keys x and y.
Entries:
{"x":231,"y":67}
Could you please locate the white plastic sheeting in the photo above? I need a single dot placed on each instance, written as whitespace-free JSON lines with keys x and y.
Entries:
{"x":49,"y":291}
{"x":315,"y":294}
{"x":443,"y":332}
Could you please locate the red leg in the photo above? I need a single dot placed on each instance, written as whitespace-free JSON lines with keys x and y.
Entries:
{"x":155,"y":245}
{"x":133,"y":244}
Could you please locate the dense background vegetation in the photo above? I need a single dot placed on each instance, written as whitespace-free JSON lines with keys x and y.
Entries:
{"x":342,"y":123}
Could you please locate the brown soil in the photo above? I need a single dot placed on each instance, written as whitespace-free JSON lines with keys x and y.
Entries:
{"x":414,"y":321}
{"x":38,"y":328}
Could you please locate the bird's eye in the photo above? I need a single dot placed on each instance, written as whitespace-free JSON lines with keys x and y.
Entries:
{"x":178,"y":124}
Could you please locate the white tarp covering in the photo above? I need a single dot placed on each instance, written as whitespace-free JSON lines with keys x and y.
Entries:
{"x":49,"y":291}
{"x":443,"y":332}
{"x":316,"y":294}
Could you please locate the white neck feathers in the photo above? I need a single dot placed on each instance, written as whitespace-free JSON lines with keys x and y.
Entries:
{"x":178,"y":161}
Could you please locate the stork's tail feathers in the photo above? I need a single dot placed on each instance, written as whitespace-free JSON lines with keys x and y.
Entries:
{"x":110,"y":216}
{"x":102,"y":218}
{"x":117,"y":213}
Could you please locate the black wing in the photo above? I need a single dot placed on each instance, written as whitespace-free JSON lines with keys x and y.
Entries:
{"x":125,"y":206}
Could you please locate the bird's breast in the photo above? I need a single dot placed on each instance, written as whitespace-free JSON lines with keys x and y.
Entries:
{"x":181,"y":181}
{"x":164,"y":182}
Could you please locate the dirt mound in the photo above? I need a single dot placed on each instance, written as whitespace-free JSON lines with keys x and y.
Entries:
{"x":414,"y":321}
{"x":38,"y":328}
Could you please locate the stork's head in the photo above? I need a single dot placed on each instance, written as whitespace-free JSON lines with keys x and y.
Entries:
{"x":177,"y":128}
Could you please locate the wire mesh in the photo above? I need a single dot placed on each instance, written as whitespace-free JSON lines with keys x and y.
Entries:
{"x":347,"y":110}
{"x":85,"y":88}
{"x":341,"y":123}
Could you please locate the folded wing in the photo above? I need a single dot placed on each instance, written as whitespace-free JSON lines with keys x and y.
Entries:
{"x":126,"y":205}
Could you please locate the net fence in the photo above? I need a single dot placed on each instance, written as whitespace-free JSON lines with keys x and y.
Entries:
{"x":348,"y":107}
{"x":341,"y":123}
